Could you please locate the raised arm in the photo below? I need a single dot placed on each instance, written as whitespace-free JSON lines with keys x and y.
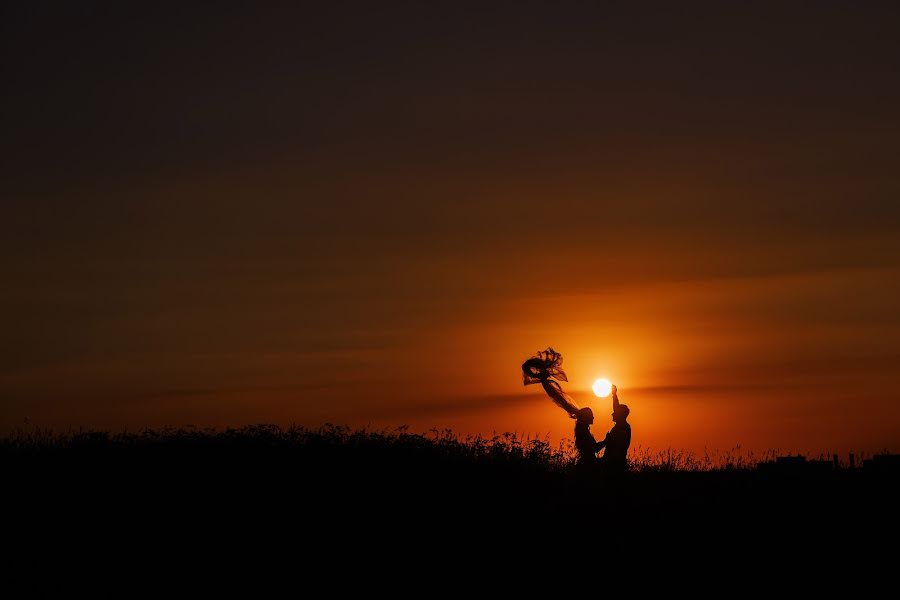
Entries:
{"x":615,"y":396}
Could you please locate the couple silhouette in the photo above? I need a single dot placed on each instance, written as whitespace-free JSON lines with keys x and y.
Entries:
{"x":545,"y":368}
{"x":615,"y":444}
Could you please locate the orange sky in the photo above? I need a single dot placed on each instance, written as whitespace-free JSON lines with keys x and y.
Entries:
{"x":374,"y":217}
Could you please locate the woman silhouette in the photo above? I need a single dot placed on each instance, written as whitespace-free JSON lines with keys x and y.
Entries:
{"x":544,"y":368}
{"x":585,"y":443}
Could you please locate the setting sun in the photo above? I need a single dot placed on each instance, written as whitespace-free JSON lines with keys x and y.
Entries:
{"x":602,"y":388}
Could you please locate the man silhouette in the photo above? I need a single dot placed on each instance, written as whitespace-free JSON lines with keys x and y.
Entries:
{"x":618,"y":439}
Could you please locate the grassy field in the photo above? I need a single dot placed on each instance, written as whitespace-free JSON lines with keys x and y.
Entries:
{"x":268,"y":481}
{"x":506,"y":451}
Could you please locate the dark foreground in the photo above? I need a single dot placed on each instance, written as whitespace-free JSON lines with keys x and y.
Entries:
{"x":362,"y":495}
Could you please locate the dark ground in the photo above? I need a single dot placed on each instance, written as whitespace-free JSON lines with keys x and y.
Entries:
{"x":334,"y":495}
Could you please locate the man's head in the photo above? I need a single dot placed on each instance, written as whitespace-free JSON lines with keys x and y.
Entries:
{"x":620,"y":413}
{"x":585,"y":416}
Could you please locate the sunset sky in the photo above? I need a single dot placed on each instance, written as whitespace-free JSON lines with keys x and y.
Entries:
{"x":371,"y":213}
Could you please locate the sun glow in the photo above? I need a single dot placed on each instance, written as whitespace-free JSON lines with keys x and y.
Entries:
{"x":602,"y":388}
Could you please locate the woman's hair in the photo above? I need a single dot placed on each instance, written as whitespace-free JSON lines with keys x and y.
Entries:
{"x":544,"y":367}
{"x":583,"y":422}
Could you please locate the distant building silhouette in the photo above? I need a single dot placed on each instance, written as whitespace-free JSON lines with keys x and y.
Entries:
{"x":883,"y":463}
{"x":799,"y":465}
